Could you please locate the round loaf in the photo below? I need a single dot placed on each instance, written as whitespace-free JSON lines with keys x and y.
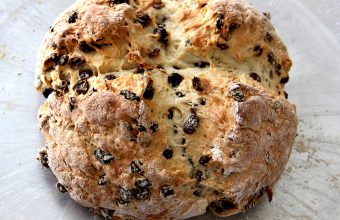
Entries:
{"x":164,"y":109}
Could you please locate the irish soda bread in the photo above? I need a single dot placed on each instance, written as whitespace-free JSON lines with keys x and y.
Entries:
{"x":164,"y":109}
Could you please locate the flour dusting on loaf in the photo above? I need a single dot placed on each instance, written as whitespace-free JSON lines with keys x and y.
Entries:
{"x":164,"y":109}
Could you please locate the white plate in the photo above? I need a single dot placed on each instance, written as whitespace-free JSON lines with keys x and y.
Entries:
{"x":308,"y":189}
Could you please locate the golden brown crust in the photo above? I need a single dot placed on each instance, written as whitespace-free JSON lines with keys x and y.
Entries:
{"x":164,"y":109}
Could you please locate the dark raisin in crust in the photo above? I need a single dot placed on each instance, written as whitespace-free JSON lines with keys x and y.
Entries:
{"x":73,"y":18}
{"x":81,"y":87}
{"x":85,"y":74}
{"x":167,"y":153}
{"x":222,"y":46}
{"x":76,"y":62}
{"x":154,"y":52}
{"x":204,"y":160}
{"x":149,"y":91}
{"x":43,"y":158}
{"x":237,"y":94}
{"x":102,"y":181}
{"x":154,"y":127}
{"x":255,"y":76}
{"x":129,"y":95}
{"x":116,"y":2}
{"x":167,"y":190}
{"x":196,"y":83}
{"x":284,"y":80}
{"x":110,"y":77}
{"x":175,"y":80}
{"x":143,"y":19}
{"x":134,"y":168}
{"x":163,"y":34}
{"x":191,"y":124}
{"x":220,"y":22}
{"x":102,"y":156}
{"x":143,"y":183}
{"x":47,"y":92}
{"x":61,"y":188}
{"x":84,"y":47}
{"x":201,"y":64}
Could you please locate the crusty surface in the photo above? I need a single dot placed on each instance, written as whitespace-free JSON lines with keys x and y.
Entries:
{"x":150,"y":122}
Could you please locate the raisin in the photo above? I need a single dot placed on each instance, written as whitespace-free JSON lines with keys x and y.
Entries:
{"x":129,"y":95}
{"x":196,"y":83}
{"x":47,"y":92}
{"x":255,"y":76}
{"x":179,"y":94}
{"x":286,"y":94}
{"x":167,"y":190}
{"x":63,"y":60}
{"x":63,"y":88}
{"x":233,"y":27}
{"x":81,"y":87}
{"x":175,"y":80}
{"x":284,"y":80}
{"x":268,"y":37}
{"x":149,"y":91}
{"x":204,"y":160}
{"x":52,"y":61}
{"x":72,"y":103}
{"x":85,"y":74}
{"x":143,"y":183}
{"x":102,"y":181}
{"x":269,"y":194}
{"x":141,"y":193}
{"x":116,"y":2}
{"x":222,"y":46}
{"x":191,"y":124}
{"x":237,"y":94}
{"x":139,"y":70}
{"x":222,"y":205}
{"x":134,"y":168}
{"x":201,"y":64}
{"x":84,"y":47}
{"x":203,"y":101}
{"x":199,"y":175}
{"x":51,"y":29}
{"x":227,"y":204}
{"x":258,"y":50}
{"x":107,"y":213}
{"x":154,"y":127}
{"x":220,"y":22}
{"x":54,"y":45}
{"x":61,"y":188}
{"x":162,"y":33}
{"x":271,"y":58}
{"x":43,"y":158}
{"x":143,"y":19}
{"x":183,"y":141}
{"x":110,"y":77}
{"x":154,"y":53}
{"x":76,"y":62}
{"x":73,"y":18}
{"x":102,"y":156}
{"x":170,"y":114}
{"x":125,"y":196}
{"x":167,"y":153}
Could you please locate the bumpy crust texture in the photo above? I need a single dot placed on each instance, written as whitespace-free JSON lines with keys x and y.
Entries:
{"x":164,"y":109}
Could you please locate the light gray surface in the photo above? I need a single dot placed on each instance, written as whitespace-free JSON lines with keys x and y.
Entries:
{"x":308,"y":189}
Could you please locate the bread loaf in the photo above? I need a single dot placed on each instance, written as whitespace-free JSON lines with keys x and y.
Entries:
{"x":164,"y":109}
